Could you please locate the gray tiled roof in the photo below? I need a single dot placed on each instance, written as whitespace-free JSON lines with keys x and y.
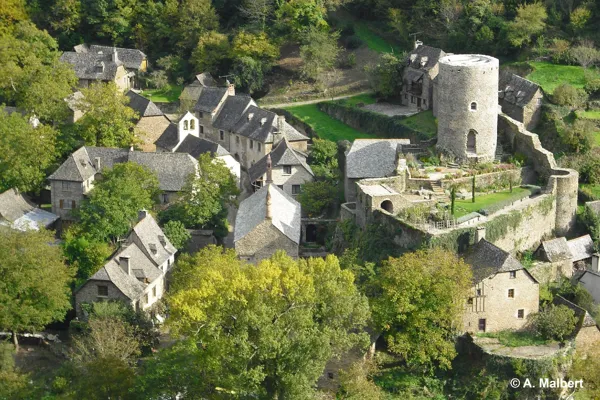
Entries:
{"x":594,"y":206}
{"x":172,"y":169}
{"x":256,"y":124}
{"x":73,"y":100}
{"x":195,"y":146}
{"x":581,"y":247}
{"x":282,"y":154}
{"x":152,"y":237}
{"x":143,"y":106}
{"x":209,"y":99}
{"x":556,"y":249}
{"x":487,"y":259}
{"x":433,"y":55}
{"x":291,"y":134}
{"x":516,"y":90}
{"x":91,"y":65}
{"x":373,"y":158}
{"x":285,"y":213}
{"x":169,"y":138}
{"x":13,"y":205}
{"x":232,"y":110}
{"x":131,"y":58}
{"x":205,"y":79}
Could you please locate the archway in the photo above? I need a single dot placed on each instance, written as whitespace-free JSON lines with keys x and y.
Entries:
{"x":311,"y":233}
{"x":472,"y":141}
{"x":237,"y":157}
{"x":387,"y":206}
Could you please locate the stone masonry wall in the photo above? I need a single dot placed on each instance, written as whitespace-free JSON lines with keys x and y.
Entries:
{"x":88,"y":293}
{"x":263,"y":241}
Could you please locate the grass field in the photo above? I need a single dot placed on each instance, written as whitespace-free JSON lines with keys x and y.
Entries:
{"x":593,"y":189}
{"x":372,"y":40}
{"x":325,"y":126}
{"x":515,"y":339}
{"x":549,"y":75}
{"x":168,"y":95}
{"x":595,"y":114}
{"x":464,"y":207}
{"x":365,"y":98}
{"x":422,"y":122}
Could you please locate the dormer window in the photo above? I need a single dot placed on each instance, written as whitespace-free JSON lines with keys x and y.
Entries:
{"x":413,"y":57}
{"x":162,"y":240}
{"x":263,"y":121}
{"x":424,"y":61}
{"x":473,"y":106}
{"x":250,"y":116}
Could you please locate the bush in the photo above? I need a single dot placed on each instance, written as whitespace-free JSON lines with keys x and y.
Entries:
{"x":554,"y":322}
{"x":348,"y":62}
{"x":353,"y":42}
{"x":579,"y":136}
{"x":567,"y":95}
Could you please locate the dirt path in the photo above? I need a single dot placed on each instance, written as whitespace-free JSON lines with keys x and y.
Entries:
{"x":319,"y":100}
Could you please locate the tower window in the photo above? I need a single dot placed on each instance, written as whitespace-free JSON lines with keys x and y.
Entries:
{"x":473,"y":106}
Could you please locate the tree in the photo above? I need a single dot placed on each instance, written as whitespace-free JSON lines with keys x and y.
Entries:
{"x":195,"y":18}
{"x":579,"y":18}
{"x":177,"y":234}
{"x":26,"y":152}
{"x":285,"y":318}
{"x":529,"y":22}
{"x":319,"y":52}
{"x":257,"y":12}
{"x":34,"y":289}
{"x":107,"y":121}
{"x":112,"y":206}
{"x":586,"y":55}
{"x":159,"y":79}
{"x":13,"y":384}
{"x":248,"y":74}
{"x":11,"y":12}
{"x":212,"y":53}
{"x":554,"y":322}
{"x":356,"y":383}
{"x":323,"y":159}
{"x":419,"y":303}
{"x":66,"y":15}
{"x":385,"y":77}
{"x":567,"y":95}
{"x":297,"y":18}
{"x":256,"y":46}
{"x":579,"y":137}
{"x":84,"y":253}
{"x":317,"y":197}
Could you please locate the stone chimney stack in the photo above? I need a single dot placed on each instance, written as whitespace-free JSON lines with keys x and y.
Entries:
{"x":595,"y":262}
{"x":142,"y":214}
{"x":269,"y":170}
{"x":479,"y":234}
{"x":125,"y":264}
{"x":97,"y":164}
{"x":230,"y":89}
{"x":280,"y":122}
{"x":269,"y":213}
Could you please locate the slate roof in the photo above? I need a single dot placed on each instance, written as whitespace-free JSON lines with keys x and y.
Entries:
{"x":143,"y":106}
{"x":556,"y":249}
{"x":487,"y":259}
{"x":152,"y":237}
{"x":172,"y":169}
{"x":18,"y":213}
{"x":516,"y":90}
{"x":169,"y":138}
{"x":195,"y":146}
{"x":594,"y":206}
{"x":191,"y":92}
{"x":209,"y":99}
{"x":433,"y":55}
{"x":131,"y":58}
{"x":285,"y":213}
{"x":232,"y":110}
{"x":581,"y":247}
{"x":282,"y":154}
{"x":73,"y":100}
{"x":256,"y":124}
{"x":373,"y":158}
{"x":91,"y":65}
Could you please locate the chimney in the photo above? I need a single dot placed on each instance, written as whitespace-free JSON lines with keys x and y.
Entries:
{"x":250,"y":116}
{"x":97,"y":164}
{"x":269,"y":170}
{"x":125,"y":264}
{"x":263,"y":121}
{"x":280,"y":122}
{"x":230,"y":89}
{"x":269,"y":214}
{"x":115,"y":55}
{"x":595,"y":259}
{"x":142,"y":214}
{"x":479,"y":233}
{"x":418,"y":43}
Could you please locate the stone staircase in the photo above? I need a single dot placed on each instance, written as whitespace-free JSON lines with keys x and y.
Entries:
{"x":438,"y":191}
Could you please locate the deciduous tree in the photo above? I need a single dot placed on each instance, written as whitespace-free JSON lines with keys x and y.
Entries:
{"x":529,"y":22}
{"x":319,"y":52}
{"x":177,"y":234}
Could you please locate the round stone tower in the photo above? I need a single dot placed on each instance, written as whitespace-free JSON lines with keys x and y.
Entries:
{"x":467,"y":106}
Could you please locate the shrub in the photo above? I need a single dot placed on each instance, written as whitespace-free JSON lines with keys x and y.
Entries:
{"x":353,"y":42}
{"x":348,"y":29}
{"x":579,"y":137}
{"x":348,"y":62}
{"x":554,"y":322}
{"x":567,"y":95}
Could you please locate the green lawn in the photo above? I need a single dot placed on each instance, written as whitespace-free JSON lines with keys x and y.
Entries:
{"x":549,"y":75}
{"x":373,"y":40}
{"x":592,"y":189}
{"x":422,"y":122}
{"x":365,"y":98}
{"x":464,"y":207}
{"x":325,"y":126}
{"x":168,"y":95}
{"x":595,"y":114}
{"x":515,"y":339}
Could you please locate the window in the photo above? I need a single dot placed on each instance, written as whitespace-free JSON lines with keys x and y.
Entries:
{"x":258,"y":146}
{"x":511,"y":293}
{"x":237,"y":140}
{"x":295,"y":189}
{"x":185,"y":125}
{"x":287,"y":169}
{"x":201,"y":129}
{"x":222,"y":135}
{"x":165,"y":198}
{"x":513,"y":274}
{"x":482,"y":325}
{"x":473,"y":106}
{"x":478,"y":292}
{"x":66,"y":185}
{"x":154,"y":291}
{"x":192,"y":124}
{"x":61,"y":204}
{"x":102,"y":291}
{"x":405,"y":97}
{"x":251,"y":143}
{"x":73,"y":204}
{"x":146,"y":299}
{"x":521,"y":313}
{"x":412,"y":99}
{"x":470,"y":301}
{"x":200,"y":115}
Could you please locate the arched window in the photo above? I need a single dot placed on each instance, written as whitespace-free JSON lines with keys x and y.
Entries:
{"x":473,"y":106}
{"x":185,"y":125}
{"x":192,"y":124}
{"x":472,"y":141}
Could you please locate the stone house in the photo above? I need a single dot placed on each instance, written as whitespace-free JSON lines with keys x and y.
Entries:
{"x":98,"y":67}
{"x":520,"y":99}
{"x":586,"y":332}
{"x":151,"y":121}
{"x":19,"y":213}
{"x":266,"y":222}
{"x":590,"y":280}
{"x":503,"y":293}
{"x":241,"y":127}
{"x":135,"y":273}
{"x":74,"y":179}
{"x":289,"y":169}
{"x":582,"y":249}
{"x":417,"y":80}
{"x":190,"y":93}
{"x":370,"y":158}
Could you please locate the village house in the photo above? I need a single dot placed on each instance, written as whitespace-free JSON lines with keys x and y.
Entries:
{"x":419,"y":73}
{"x":267,"y":221}
{"x":19,"y":213}
{"x":195,"y":147}
{"x":190,"y":93}
{"x":503,"y":293}
{"x":520,"y":99}
{"x":590,"y":280}
{"x":73,"y":103}
{"x":241,"y":127}
{"x":151,"y":122}
{"x":136,"y":273}
{"x":289,"y":169}
{"x":74,"y":179}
